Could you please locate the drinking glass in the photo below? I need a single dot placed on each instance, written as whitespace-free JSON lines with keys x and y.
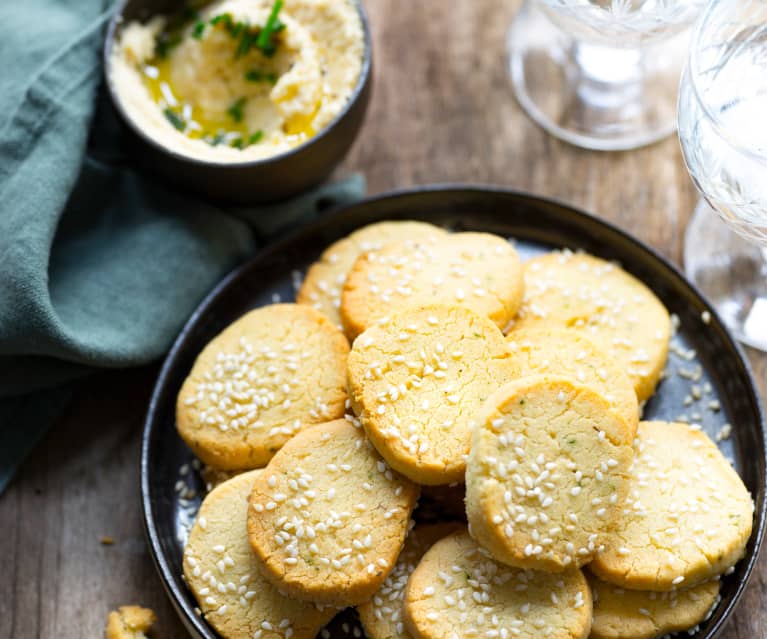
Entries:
{"x":601,"y":74}
{"x":723,"y":132}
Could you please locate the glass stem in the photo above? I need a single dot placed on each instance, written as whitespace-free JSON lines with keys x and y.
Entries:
{"x":608,"y":77}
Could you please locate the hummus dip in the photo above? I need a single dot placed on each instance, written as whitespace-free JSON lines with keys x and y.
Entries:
{"x":239,"y":80}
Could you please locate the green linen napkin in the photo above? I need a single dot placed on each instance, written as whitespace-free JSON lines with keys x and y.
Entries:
{"x":99,"y":265}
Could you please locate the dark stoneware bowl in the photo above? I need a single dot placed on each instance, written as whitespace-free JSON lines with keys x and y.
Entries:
{"x":265,"y":180}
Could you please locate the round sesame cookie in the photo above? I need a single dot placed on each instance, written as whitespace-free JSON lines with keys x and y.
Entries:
{"x":273,"y":372}
{"x":459,"y":591}
{"x":558,"y":351}
{"x":328,"y":517}
{"x":325,"y":278}
{"x":639,"y":614}
{"x":381,"y":617}
{"x":223,"y":574}
{"x":415,"y":382}
{"x":547,"y":473}
{"x":616,"y":310}
{"x":687,"y":518}
{"x":479,"y":271}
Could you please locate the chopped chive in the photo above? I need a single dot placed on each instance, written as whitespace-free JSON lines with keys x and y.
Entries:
{"x":166,"y":42}
{"x":237,"y":144}
{"x":246,"y":41}
{"x":215,"y":140}
{"x":272,"y":27}
{"x":225,"y":18}
{"x":199,"y":29}
{"x":235,"y":110}
{"x":175,"y":119}
{"x":236,"y":29}
{"x":255,"y":75}
{"x":255,"y":137}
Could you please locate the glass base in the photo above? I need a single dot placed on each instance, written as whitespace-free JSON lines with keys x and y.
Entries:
{"x":731,"y":272}
{"x":593,"y":96}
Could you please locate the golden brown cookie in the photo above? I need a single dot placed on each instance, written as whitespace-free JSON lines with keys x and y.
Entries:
{"x":381,"y":617}
{"x":130,"y":622}
{"x":224,"y":575}
{"x":639,"y":614}
{"x":547,"y":474}
{"x":328,"y":517}
{"x":416,"y":381}
{"x":598,"y":298}
{"x":558,"y":351}
{"x":325,"y":278}
{"x":459,"y":591}
{"x":478,"y":271}
{"x":273,"y":372}
{"x":688,"y":516}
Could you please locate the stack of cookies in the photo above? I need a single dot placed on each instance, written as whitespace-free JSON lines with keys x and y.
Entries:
{"x":520,"y":381}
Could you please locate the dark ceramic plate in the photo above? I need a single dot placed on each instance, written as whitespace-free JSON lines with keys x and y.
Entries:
{"x":266,"y":180}
{"x":705,"y":361}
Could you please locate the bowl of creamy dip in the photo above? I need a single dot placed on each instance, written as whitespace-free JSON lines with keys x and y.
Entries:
{"x":243,"y":100}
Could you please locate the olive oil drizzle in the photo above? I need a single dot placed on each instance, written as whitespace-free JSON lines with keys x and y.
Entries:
{"x":228,"y":128}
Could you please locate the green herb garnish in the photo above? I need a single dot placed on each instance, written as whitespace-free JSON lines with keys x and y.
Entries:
{"x":166,"y":42}
{"x":235,"y":110}
{"x":225,"y":18}
{"x":249,"y":37}
{"x":215,"y":140}
{"x":199,"y":29}
{"x":237,"y":28}
{"x":253,"y":138}
{"x":175,"y":119}
{"x":261,"y":76}
{"x":246,"y":41}
{"x":272,"y":27}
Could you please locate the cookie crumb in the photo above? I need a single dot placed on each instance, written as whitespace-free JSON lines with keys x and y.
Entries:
{"x":106,"y":540}
{"x":130,"y":622}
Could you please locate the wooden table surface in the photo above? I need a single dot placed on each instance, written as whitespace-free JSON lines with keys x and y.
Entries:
{"x":442,"y":111}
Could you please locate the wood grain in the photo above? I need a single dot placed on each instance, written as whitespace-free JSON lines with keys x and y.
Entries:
{"x":442,"y":111}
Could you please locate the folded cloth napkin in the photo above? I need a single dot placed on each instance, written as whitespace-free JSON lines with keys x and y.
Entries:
{"x":99,"y":265}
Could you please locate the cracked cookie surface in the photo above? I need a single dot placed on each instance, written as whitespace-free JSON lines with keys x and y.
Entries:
{"x":479,"y":271}
{"x":224,"y":576}
{"x":328,"y":517}
{"x":558,"y":351}
{"x":458,"y":591}
{"x":547,"y":474}
{"x":325,"y":278}
{"x":267,"y":376}
{"x":612,"y":307}
{"x":637,"y":614}
{"x":417,"y":380}
{"x":687,"y":517}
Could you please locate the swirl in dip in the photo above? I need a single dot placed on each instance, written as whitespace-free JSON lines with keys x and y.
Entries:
{"x":239,"y":80}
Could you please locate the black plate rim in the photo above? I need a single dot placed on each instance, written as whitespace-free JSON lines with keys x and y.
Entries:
{"x":194,"y":623}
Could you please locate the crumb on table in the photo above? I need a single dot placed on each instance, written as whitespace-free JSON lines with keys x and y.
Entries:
{"x":130,"y":622}
{"x":106,"y":540}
